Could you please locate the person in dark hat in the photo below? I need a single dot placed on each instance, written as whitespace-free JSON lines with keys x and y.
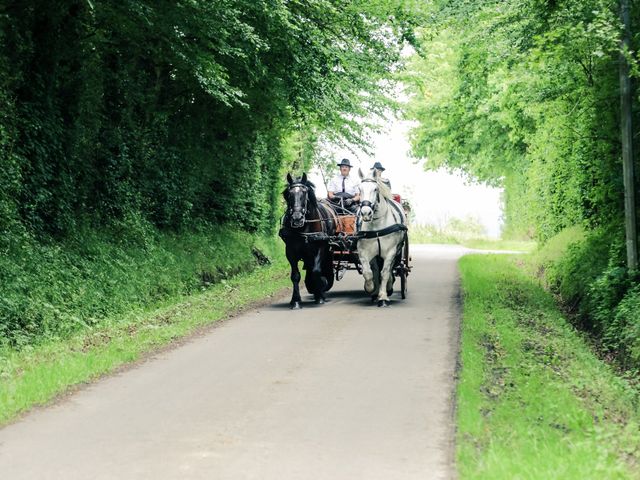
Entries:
{"x":378,"y":166}
{"x":343,"y":189}
{"x":377,"y":173}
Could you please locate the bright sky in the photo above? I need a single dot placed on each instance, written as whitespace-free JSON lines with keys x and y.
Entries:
{"x":435,"y":196}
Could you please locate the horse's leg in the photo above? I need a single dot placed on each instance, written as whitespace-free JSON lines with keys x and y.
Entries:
{"x":391,"y":279}
{"x":375,"y":268}
{"x":367,"y":273}
{"x":385,"y":276}
{"x":398,"y":254}
{"x":295,"y":280}
{"x":319,"y":281}
{"x":327,"y":268}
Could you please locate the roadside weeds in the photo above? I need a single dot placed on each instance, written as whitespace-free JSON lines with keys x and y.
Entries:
{"x":533,"y":400}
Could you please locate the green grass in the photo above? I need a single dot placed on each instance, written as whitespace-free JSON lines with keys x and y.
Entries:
{"x":472,"y":237}
{"x":431,"y":234}
{"x":489,"y":244}
{"x":534,"y":402}
{"x":555,"y":248}
{"x":36,"y":374}
{"x":50,"y":290}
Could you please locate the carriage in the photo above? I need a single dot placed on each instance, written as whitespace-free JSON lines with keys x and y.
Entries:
{"x":375,"y":242}
{"x":344,"y":251}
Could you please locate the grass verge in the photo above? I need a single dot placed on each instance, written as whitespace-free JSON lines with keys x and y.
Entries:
{"x":37,"y":374}
{"x":489,"y":244}
{"x":53,"y":289}
{"x":534,"y":402}
{"x":471,"y":239}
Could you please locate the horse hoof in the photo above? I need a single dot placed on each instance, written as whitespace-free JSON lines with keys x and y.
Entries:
{"x":296,"y":306}
{"x":320,"y":301}
{"x":383,"y":303}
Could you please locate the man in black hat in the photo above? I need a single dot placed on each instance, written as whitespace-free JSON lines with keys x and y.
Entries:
{"x":377,"y":173}
{"x":342,"y":189}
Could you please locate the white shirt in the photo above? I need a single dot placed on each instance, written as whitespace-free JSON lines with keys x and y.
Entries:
{"x":350,"y":185}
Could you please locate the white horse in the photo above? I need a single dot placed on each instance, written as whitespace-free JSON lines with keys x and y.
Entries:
{"x":381,"y":235}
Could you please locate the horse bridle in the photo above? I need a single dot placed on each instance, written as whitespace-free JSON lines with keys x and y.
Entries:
{"x":369,"y":203}
{"x":303,"y":210}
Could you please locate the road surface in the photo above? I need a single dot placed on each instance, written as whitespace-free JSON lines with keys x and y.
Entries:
{"x":346,"y":390}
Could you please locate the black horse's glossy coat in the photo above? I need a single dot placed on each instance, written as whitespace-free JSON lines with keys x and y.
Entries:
{"x":306,"y":226}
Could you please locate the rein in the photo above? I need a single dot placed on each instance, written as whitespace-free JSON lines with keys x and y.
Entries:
{"x":316,"y":220}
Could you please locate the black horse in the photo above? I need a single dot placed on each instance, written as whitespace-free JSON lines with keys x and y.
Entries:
{"x":306,"y":228}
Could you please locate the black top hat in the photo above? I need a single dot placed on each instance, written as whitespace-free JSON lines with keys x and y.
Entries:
{"x":378,"y":166}
{"x":345,"y":163}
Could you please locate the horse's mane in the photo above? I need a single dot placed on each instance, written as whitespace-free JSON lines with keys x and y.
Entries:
{"x":311,"y":193}
{"x":384,"y":189}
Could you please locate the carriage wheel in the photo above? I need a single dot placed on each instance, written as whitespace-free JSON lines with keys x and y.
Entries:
{"x":405,"y":251}
{"x":404,"y":269}
{"x":403,"y":282}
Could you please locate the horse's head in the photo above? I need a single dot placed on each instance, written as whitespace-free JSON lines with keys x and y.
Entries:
{"x":300,"y":197}
{"x":369,"y":195}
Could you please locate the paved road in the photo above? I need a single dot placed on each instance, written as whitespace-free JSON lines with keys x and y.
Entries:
{"x":341,"y":391}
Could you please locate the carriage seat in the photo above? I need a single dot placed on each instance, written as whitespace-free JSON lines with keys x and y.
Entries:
{"x":346,"y":224}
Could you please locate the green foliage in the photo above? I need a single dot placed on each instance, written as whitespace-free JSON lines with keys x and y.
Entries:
{"x":555,"y":248}
{"x":179,"y":110}
{"x":427,"y":233}
{"x":146,"y":119}
{"x":594,"y":284}
{"x":623,"y":334}
{"x":533,"y":400}
{"x":454,"y":230}
{"x":587,"y":271}
{"x":524,"y":94}
{"x":50,"y":291}
{"x":579,"y":266}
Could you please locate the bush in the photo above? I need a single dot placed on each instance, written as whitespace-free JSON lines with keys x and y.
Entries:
{"x":573,"y":274}
{"x":556,"y":247}
{"x":624,"y":334}
{"x":588,"y":272}
{"x":52,"y":290}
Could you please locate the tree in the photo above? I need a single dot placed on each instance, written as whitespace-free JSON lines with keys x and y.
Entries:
{"x":523,"y":94}
{"x":179,"y":111}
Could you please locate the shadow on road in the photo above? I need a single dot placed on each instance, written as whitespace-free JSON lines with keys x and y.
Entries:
{"x":342,"y":297}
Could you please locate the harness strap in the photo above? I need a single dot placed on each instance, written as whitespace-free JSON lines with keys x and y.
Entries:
{"x":326,"y":214}
{"x":285,"y":233}
{"x":381,"y":233}
{"x":396,"y":208}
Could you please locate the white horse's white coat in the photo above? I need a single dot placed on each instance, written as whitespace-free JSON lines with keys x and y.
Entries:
{"x":376,"y":213}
